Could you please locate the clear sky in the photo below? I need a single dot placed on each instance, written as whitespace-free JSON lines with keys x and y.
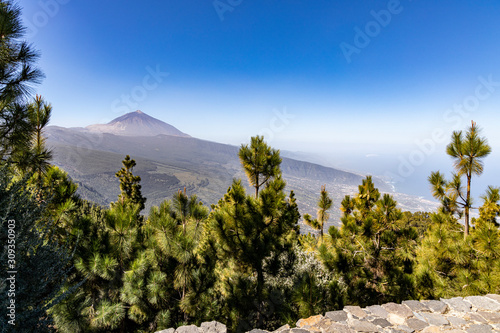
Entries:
{"x":363,"y":76}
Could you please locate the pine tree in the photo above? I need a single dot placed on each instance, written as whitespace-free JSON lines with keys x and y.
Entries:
{"x":35,"y":156}
{"x":175,"y":227}
{"x":243,"y":232}
{"x":347,"y":205}
{"x":486,"y":245}
{"x":418,"y":220}
{"x":39,"y":113}
{"x":315,"y":289}
{"x":490,"y":209}
{"x":40,"y":264}
{"x":247,"y":232}
{"x":129,"y":184}
{"x":373,"y":251}
{"x":18,"y":75}
{"x":367,"y":196}
{"x":59,"y":194}
{"x":324,"y":204}
{"x":93,"y":264}
{"x":449,"y":265}
{"x":111,"y":260}
{"x":260,"y":162}
{"x":440,"y":256}
{"x":467,"y":151}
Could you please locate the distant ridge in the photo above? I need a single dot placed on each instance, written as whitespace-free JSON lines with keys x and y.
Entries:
{"x":137,"y":124}
{"x":174,"y":160}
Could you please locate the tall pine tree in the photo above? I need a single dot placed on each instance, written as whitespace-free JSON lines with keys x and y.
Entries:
{"x":373,"y":251}
{"x":244,"y":232}
{"x":18,"y":75}
{"x":324,"y":204}
{"x":467,"y":150}
{"x":130,"y":184}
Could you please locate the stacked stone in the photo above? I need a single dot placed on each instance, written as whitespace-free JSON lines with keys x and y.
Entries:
{"x":206,"y":327}
{"x":473,"y":314}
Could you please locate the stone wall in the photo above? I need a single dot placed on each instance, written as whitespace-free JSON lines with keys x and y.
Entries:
{"x":473,"y":314}
{"x":207,"y":327}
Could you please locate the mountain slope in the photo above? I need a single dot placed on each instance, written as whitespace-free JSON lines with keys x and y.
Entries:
{"x":136,"y":124}
{"x":168,"y":163}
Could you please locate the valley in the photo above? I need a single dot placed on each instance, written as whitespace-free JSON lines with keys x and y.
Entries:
{"x":168,"y":163}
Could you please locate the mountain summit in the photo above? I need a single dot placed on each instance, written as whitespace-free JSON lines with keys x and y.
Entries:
{"x":136,"y":124}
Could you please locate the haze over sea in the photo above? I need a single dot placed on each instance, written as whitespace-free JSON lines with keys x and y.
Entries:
{"x":368,"y":86}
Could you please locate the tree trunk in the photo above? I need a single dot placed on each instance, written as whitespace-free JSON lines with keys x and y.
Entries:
{"x":183,"y":296}
{"x":257,"y":166}
{"x":260,"y":287}
{"x":467,"y":207}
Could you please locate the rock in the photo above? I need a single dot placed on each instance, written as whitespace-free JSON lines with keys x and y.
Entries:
{"x":431,"y":329}
{"x":355,"y":311}
{"x":473,"y":314}
{"x":405,"y":328}
{"x":314,"y":329}
{"x":435,"y":319}
{"x":363,"y":326}
{"x":339,"y":328}
{"x":282,"y":328}
{"x":337,"y":316}
{"x":378,"y":311}
{"x":416,"y":306}
{"x":398,"y":313}
{"x":213,"y":327}
{"x":311,"y":321}
{"x":491,"y":317}
{"x":323,"y":324}
{"x":494,"y":297}
{"x":381,"y":322}
{"x":476,"y":318}
{"x":456,"y":321}
{"x":416,"y":324}
{"x":436,"y":306}
{"x":419,"y":316}
{"x":483,"y":303}
{"x":299,"y":330}
{"x":457,"y":304}
{"x":188,"y":329}
{"x":479,"y":328}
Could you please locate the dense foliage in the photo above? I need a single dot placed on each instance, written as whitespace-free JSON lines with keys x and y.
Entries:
{"x":86,"y":268}
{"x":243,"y":261}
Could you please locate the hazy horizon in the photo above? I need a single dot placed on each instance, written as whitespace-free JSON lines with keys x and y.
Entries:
{"x":406,"y":168}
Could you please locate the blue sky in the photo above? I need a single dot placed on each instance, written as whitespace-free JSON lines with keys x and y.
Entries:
{"x":349,"y":79}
